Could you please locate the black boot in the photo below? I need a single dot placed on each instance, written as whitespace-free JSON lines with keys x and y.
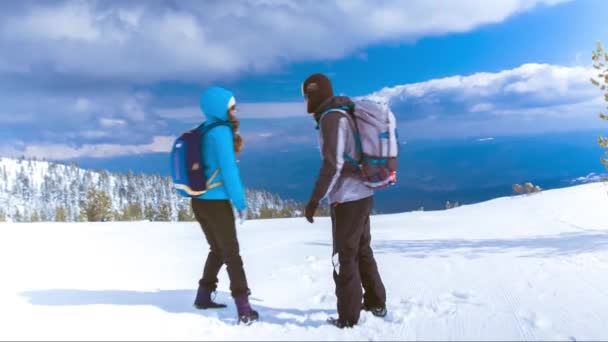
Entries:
{"x":246,"y":314}
{"x":378,"y":311}
{"x":340,"y":323}
{"x":203,"y":300}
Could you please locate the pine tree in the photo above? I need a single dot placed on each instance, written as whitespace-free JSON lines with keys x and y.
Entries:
{"x":132,"y":213}
{"x":185,"y":214}
{"x":600,"y":63}
{"x":104,"y":203}
{"x":117,"y":215}
{"x":82,"y":215}
{"x":164,"y":212}
{"x":46,"y":189}
{"x":17,"y":217}
{"x":23,"y":185}
{"x":265,"y":212}
{"x":43,"y":217}
{"x":35,"y":216}
{"x":149,"y":212}
{"x":2,"y":216}
{"x":131,"y":186}
{"x":98,"y":206}
{"x":70,"y":215}
{"x":60,"y":215}
{"x":73,"y":204}
{"x":122,"y":215}
{"x":4,"y":180}
{"x":130,"y":197}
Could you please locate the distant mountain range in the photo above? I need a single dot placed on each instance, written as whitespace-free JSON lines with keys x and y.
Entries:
{"x":431,"y":172}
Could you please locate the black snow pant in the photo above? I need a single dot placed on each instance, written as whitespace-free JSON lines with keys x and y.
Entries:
{"x":353,"y":259}
{"x":216,"y":218}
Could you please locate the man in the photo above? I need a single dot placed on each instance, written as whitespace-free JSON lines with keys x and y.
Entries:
{"x":351,"y":202}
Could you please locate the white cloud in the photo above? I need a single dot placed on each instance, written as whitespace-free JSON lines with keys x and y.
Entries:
{"x":94,"y":134}
{"x":271,"y":109}
{"x":590,"y":178}
{"x":117,"y":116}
{"x":527,"y":99}
{"x":204,"y":40}
{"x":185,"y":114}
{"x":13,"y":67}
{"x":530,"y":85}
{"x":75,"y":22}
{"x":82,"y":105}
{"x":111,"y":123}
{"x":65,"y":152}
{"x":8,"y":119}
{"x":133,"y":109}
{"x":247,"y":110}
{"x":190,"y":115}
{"x":482,"y":107}
{"x":532,"y":98}
{"x":529,"y":78}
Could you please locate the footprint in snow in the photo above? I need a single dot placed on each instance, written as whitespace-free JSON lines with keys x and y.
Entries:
{"x":534,"y":320}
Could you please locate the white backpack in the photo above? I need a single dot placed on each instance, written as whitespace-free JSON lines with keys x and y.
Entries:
{"x":377,"y":142}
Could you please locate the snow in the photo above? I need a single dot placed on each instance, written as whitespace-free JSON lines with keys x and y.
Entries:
{"x":28,"y":186}
{"x":590,"y":178}
{"x":36,"y":172}
{"x":485,"y":139}
{"x":517,"y":268}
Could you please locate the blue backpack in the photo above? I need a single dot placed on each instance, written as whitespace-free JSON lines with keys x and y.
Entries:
{"x":187,"y":166}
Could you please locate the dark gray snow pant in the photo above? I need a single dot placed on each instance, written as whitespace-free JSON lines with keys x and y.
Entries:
{"x":353,"y":259}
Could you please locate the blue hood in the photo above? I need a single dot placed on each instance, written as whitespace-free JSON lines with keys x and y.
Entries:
{"x":214,"y":103}
{"x":218,"y":150}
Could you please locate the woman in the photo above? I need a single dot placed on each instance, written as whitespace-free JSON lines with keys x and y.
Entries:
{"x":214,"y":210}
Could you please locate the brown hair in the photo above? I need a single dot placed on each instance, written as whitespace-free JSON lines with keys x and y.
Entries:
{"x":238,"y":140}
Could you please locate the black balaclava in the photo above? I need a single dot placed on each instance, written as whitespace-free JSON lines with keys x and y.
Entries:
{"x":317,"y":88}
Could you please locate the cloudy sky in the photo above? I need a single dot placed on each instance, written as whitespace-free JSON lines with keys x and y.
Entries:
{"x":107,"y":78}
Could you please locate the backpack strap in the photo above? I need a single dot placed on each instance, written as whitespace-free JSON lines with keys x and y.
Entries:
{"x":344,"y":110}
{"x":204,"y":129}
{"x":210,"y":180}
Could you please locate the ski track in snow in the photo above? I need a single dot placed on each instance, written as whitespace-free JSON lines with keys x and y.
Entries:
{"x":522,"y":268}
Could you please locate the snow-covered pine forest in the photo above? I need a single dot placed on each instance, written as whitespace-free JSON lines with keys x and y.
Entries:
{"x":32,"y":190}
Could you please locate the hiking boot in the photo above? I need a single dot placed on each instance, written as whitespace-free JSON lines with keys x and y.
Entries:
{"x":204,"y":301}
{"x":249,"y":318}
{"x":340,"y":323}
{"x":246,"y":314}
{"x":378,"y":311}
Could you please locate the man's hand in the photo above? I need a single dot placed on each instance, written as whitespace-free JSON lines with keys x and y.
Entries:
{"x":311,"y":207}
{"x":242,"y":216}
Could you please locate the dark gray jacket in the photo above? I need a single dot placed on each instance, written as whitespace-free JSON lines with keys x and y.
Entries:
{"x":338,"y":179}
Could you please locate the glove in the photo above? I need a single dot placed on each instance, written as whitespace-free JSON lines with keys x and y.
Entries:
{"x":309,"y":212}
{"x":242,"y":215}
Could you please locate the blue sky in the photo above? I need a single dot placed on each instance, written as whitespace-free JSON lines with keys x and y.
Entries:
{"x":559,"y":35}
{"x":105,"y":78}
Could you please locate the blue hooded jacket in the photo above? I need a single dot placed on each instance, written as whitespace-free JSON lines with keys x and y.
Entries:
{"x":218,"y":149}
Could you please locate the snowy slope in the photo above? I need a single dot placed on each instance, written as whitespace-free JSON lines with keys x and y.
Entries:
{"x":522,"y":268}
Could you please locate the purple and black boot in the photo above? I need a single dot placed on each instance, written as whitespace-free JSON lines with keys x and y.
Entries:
{"x":246,"y":314}
{"x":203,"y":300}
